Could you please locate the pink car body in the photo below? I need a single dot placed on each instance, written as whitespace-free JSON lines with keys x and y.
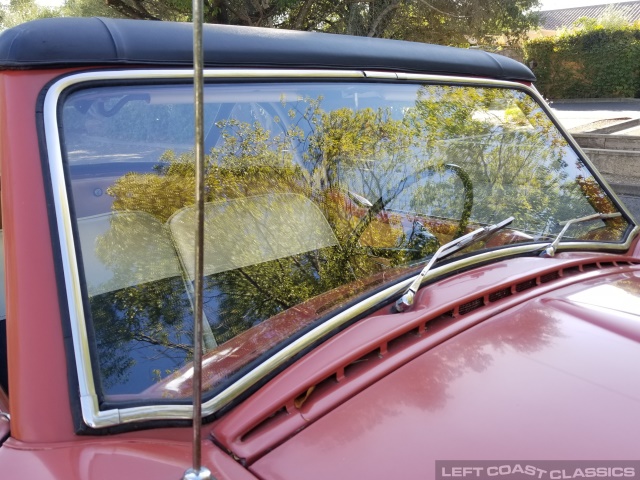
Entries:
{"x":504,"y":355}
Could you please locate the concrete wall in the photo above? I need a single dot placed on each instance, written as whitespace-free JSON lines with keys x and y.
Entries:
{"x":617,"y":157}
{"x":621,"y":163}
{"x":612,"y":142}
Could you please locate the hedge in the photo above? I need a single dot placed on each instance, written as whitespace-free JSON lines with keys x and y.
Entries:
{"x":599,"y":63}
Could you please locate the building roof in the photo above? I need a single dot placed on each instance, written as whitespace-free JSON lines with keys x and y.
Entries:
{"x":566,"y":17}
{"x":68,"y":42}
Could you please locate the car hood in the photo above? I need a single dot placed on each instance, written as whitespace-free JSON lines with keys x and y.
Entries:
{"x":555,"y":377}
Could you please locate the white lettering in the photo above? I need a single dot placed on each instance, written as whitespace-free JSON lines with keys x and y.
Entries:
{"x":505,"y":469}
{"x":530,"y":470}
{"x":517,"y":468}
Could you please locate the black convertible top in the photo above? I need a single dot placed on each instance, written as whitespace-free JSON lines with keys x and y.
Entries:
{"x":68,"y":42}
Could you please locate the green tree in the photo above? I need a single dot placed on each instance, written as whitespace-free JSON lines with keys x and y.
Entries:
{"x":20,"y":11}
{"x":590,"y":62}
{"x":87,"y":8}
{"x":610,"y":19}
{"x":433,"y":21}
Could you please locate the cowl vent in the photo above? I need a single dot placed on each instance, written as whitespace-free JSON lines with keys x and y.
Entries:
{"x":374,"y":347}
{"x":532,"y":282}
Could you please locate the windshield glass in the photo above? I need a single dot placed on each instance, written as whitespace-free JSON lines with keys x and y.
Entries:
{"x":315,"y":194}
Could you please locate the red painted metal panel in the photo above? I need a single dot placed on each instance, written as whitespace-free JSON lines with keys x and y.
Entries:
{"x":505,"y":389}
{"x":39,"y":398}
{"x":109,"y":458}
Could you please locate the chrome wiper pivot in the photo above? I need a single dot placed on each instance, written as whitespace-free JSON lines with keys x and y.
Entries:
{"x":550,"y":250}
{"x":407,"y":298}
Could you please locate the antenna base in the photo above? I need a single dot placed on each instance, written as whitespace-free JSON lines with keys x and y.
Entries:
{"x":203,"y":474}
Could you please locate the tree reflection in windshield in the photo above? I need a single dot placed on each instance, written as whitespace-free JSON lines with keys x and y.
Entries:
{"x":396,"y":171}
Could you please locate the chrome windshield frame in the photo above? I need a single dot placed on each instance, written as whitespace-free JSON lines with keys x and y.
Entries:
{"x":92,"y":415}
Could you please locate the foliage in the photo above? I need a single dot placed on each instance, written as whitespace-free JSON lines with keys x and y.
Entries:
{"x":610,"y":19}
{"x":87,"y":8}
{"x":433,"y":21}
{"x":20,"y":11}
{"x":251,"y":161}
{"x":515,"y":171}
{"x":592,"y":62}
{"x":462,"y":23}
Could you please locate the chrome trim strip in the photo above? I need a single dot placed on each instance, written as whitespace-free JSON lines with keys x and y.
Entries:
{"x":381,"y":75}
{"x":418,"y":77}
{"x":91,"y":413}
{"x":86,"y":385}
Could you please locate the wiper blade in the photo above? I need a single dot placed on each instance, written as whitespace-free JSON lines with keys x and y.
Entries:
{"x":550,"y":250}
{"x":407,"y":298}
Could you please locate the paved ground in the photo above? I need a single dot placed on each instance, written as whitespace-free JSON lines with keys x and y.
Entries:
{"x":631,"y":131}
{"x":573,"y":113}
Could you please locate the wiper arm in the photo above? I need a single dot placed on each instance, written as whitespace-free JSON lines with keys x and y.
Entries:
{"x":407,"y":298}
{"x":550,"y":251}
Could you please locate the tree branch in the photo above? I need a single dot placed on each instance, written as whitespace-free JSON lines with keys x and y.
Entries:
{"x":302,"y":14}
{"x":262,"y":290}
{"x":376,"y":22}
{"x":129,"y":11}
{"x":143,"y":337}
{"x":440,"y":11}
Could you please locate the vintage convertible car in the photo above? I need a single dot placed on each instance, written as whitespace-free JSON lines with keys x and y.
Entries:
{"x":406,"y":260}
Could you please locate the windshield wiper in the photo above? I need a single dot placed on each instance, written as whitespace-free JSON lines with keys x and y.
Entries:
{"x":550,"y":250}
{"x":407,"y":298}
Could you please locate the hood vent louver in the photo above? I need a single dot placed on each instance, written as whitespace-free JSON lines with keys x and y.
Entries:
{"x":470,"y":306}
{"x":548,"y":277}
{"x":495,"y":296}
{"x":526,"y":285}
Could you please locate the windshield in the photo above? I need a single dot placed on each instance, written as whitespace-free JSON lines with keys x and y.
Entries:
{"x":315,"y":194}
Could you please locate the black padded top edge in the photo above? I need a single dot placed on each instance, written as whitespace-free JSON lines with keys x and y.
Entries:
{"x":71,"y":42}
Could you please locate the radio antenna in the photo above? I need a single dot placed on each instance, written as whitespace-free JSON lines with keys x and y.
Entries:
{"x":198,"y":471}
